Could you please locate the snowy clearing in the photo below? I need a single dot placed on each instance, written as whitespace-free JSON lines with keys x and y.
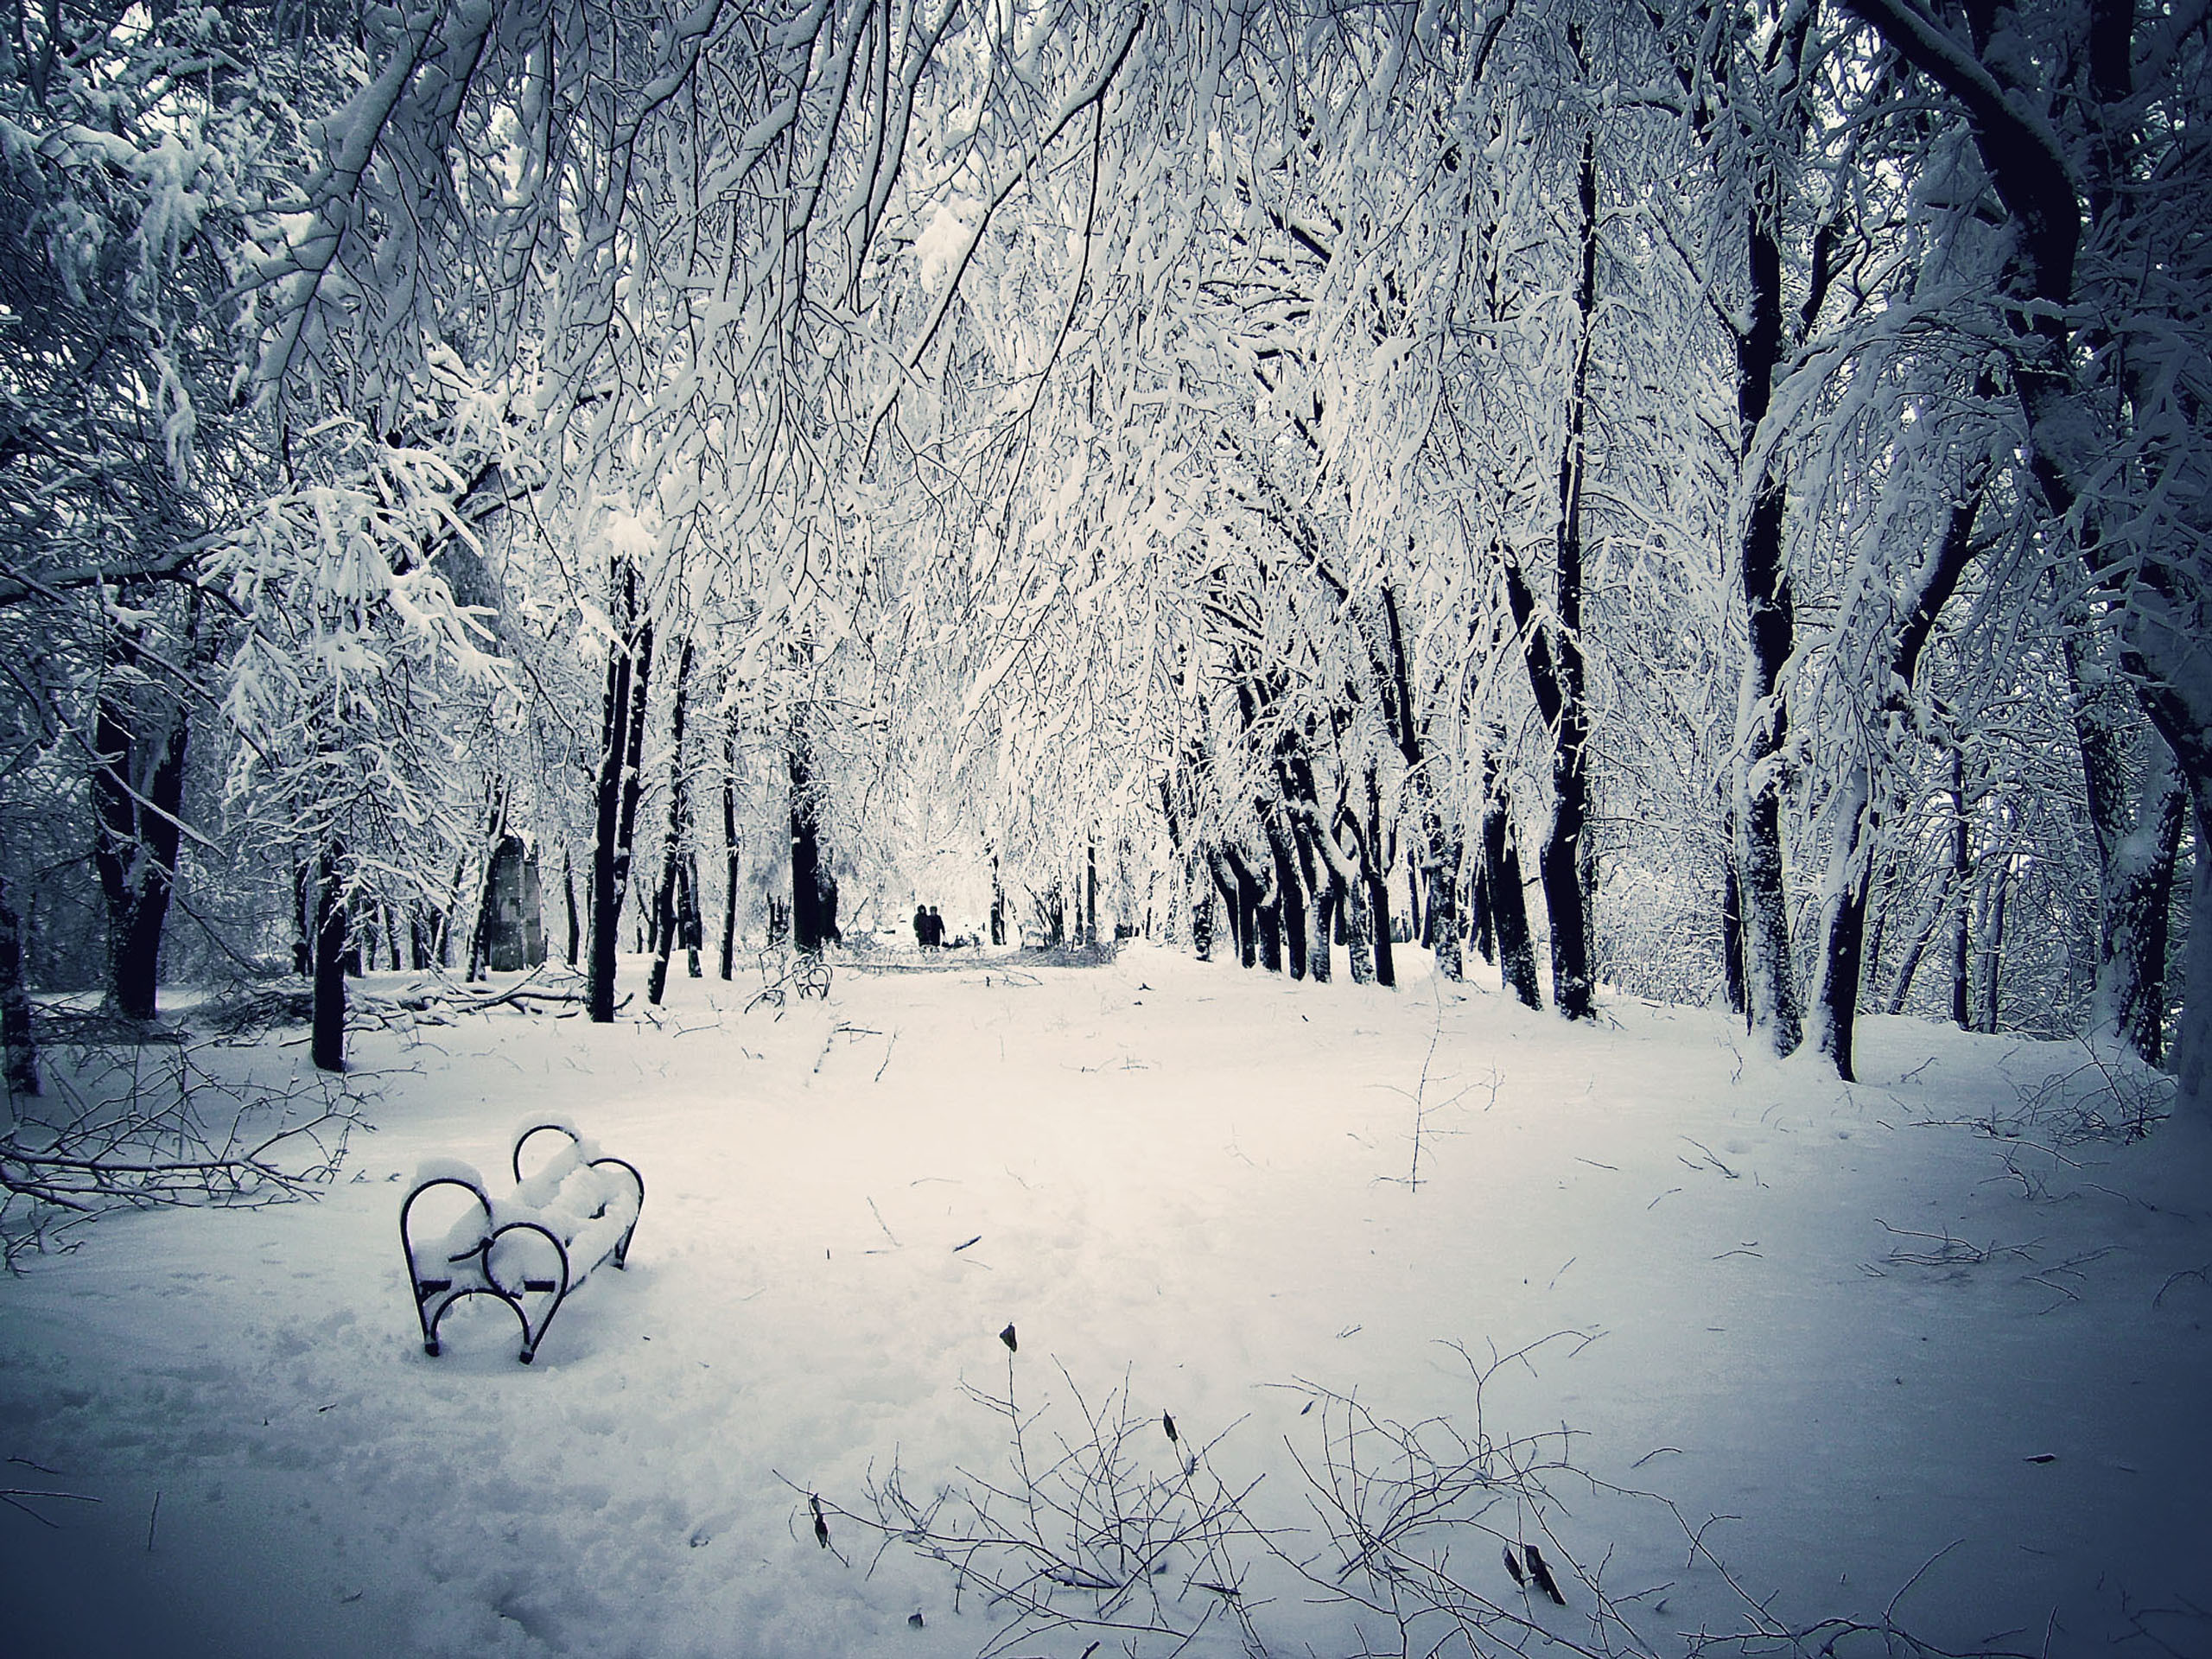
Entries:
{"x":1873,"y":1336}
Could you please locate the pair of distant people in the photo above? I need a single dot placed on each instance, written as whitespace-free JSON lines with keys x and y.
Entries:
{"x":929,"y":928}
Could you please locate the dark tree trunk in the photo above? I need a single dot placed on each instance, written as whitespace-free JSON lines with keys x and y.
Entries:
{"x":1555,"y":657}
{"x":998,"y":907}
{"x":1479,"y":902}
{"x":1244,"y":906}
{"x":1380,"y":852}
{"x":1961,"y":941}
{"x":666,"y":919}
{"x":1290,"y":892}
{"x":1770,"y":988}
{"x":1731,"y":925}
{"x":814,"y":888}
{"x":137,"y":787}
{"x":15,"y":1032}
{"x":569,"y":896}
{"x":326,"y":1041}
{"x":1516,"y":951}
{"x":733,"y":850}
{"x":622,"y":729}
{"x":1091,"y":893}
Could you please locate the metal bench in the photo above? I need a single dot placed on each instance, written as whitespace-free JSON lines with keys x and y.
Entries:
{"x":782,"y":971}
{"x":529,"y":1249}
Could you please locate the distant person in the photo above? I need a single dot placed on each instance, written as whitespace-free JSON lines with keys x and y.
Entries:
{"x":921,"y":928}
{"x":937,"y":930}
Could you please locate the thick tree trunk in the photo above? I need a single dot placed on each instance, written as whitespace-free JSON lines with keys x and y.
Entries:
{"x":622,"y":727}
{"x":1516,"y":951}
{"x":2138,"y":841}
{"x":1290,"y":892}
{"x":327,"y":1035}
{"x":1762,"y":730}
{"x":1478,"y":901}
{"x":137,"y":787}
{"x":1320,"y":898}
{"x":16,"y":1032}
{"x":1446,"y":852}
{"x":1347,"y":890}
{"x":814,"y":887}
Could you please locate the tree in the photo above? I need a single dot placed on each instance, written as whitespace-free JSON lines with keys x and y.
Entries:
{"x":2084,"y":122}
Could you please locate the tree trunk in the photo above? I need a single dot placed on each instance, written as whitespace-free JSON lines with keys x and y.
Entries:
{"x":1377,"y":853}
{"x":1516,"y":951}
{"x":2139,"y":842}
{"x":326,"y":1041}
{"x":1770,"y":988}
{"x":1290,"y":892}
{"x":568,"y":896}
{"x":733,"y":849}
{"x":1245,"y":896}
{"x":1320,"y":899}
{"x":16,"y":1032}
{"x":1855,"y":816}
{"x":2152,"y":572}
{"x":2192,"y":1046}
{"x":1961,"y":941}
{"x":479,"y":931}
{"x":138,"y":788}
{"x":1446,"y":851}
{"x":1992,"y":945}
{"x":622,"y":726}
{"x":1479,"y":902}
{"x":665,"y":917}
{"x":1731,"y":925}
{"x":814,"y":888}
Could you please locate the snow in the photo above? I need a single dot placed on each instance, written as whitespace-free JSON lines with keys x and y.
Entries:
{"x":1875,"y":1325}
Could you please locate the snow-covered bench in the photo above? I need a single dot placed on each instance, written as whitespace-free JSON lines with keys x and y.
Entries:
{"x":529,"y":1248}
{"x":805,"y":971}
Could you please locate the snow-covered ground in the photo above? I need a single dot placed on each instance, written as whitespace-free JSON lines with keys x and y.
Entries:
{"x":1875,"y":1339}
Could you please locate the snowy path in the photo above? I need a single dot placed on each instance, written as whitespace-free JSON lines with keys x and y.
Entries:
{"x":1189,"y":1177}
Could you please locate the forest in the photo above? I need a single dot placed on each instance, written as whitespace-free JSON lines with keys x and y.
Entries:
{"x":1706,"y":500}
{"x":1226,"y":724}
